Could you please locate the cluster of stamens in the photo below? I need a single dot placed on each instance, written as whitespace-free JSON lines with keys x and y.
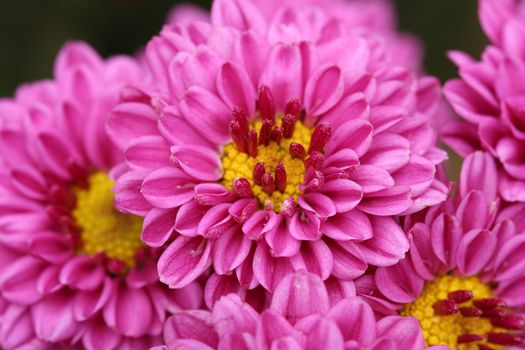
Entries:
{"x":84,"y":222}
{"x":270,"y":144}
{"x":504,"y":324}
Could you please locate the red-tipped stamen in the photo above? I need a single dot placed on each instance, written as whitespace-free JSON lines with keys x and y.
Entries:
{"x":280,"y":177}
{"x":513,"y":322}
{"x":485,"y":347}
{"x":489,"y":303}
{"x":62,"y":196}
{"x":251,"y":143}
{"x":320,"y":137}
{"x":266,"y":103}
{"x":238,"y":136}
{"x":73,"y":239}
{"x":315,"y":161}
{"x":277,"y":134}
{"x":242,"y":188}
{"x":56,"y":212}
{"x":288,"y":125}
{"x":445,"y":307}
{"x":504,"y":339}
{"x":258,"y":172}
{"x":288,"y":207}
{"x":297,"y":150}
{"x":266,"y":132}
{"x":240,"y":116}
{"x":460,"y":296}
{"x":142,"y":255}
{"x":469,"y":338}
{"x":268,"y":183}
{"x":69,"y":225}
{"x":293,"y":107}
{"x":115,"y":266}
{"x":470,"y":311}
{"x":494,"y":312}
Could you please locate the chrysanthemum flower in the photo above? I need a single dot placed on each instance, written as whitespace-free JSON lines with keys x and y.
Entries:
{"x":464,"y":279}
{"x":261,"y":153}
{"x":301,"y":316}
{"x":490,"y":96}
{"x":73,"y":269}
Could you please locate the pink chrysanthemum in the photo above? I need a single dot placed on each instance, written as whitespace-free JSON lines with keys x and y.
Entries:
{"x":490,"y":96}
{"x":465,"y":276}
{"x":301,"y":315}
{"x":73,"y":270}
{"x":262,"y":150}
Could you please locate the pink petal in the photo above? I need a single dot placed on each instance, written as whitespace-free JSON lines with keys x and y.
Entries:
{"x":259,"y":223}
{"x":82,"y":272}
{"x":509,"y":259}
{"x":406,"y":332}
{"x":191,"y":324}
{"x":128,"y":195}
{"x":267,"y":269}
{"x":148,"y":152}
{"x":473,"y":211}
{"x":188,"y":218}
{"x":318,"y":203}
{"x":218,"y":286}
{"x":354,"y":134}
{"x":371,"y":178}
{"x":323,"y":90}
{"x":238,"y":14}
{"x":100,"y":336}
{"x":86,"y":304}
{"x":272,"y":327}
{"x":200,"y":162}
{"x":300,"y":294}
{"x":305,"y":226}
{"x":130,"y":120}
{"x":445,"y":233}
{"x":349,"y":262}
{"x":168,"y":188}
{"x":390,"y":201}
{"x":177,"y":131}
{"x":184,"y":260}
{"x":19,"y":279}
{"x":399,"y":283}
{"x":352,"y":225}
{"x":314,"y":257}
{"x":243,"y":209}
{"x":212,"y":194}
{"x":53,"y":318}
{"x":281,"y":241}
{"x":215,"y":221}
{"x":128,"y":302}
{"x":355,"y":319}
{"x":388,"y":151}
{"x":475,"y":250}
{"x":158,"y":226}
{"x":230,"y":250}
{"x":418,"y":174}
{"x":345,"y":194}
{"x":235,"y":88}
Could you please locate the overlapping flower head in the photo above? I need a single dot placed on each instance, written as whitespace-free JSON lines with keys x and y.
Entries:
{"x":304,"y":314}
{"x":262,"y":152}
{"x":490,"y":96}
{"x":73,"y":270}
{"x":464,"y":278}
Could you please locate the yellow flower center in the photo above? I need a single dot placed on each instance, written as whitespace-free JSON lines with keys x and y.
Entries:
{"x":238,"y":164}
{"x":444,"y":330}
{"x":103,"y":228}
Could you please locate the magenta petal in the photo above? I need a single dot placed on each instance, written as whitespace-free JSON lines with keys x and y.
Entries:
{"x":177,"y":131}
{"x":339,"y":290}
{"x":29,"y":182}
{"x":158,"y":226}
{"x":399,"y":283}
{"x":51,"y":247}
{"x":387,"y":202}
{"x":191,"y":324}
{"x":259,"y":223}
{"x":425,"y":262}
{"x":323,"y":90}
{"x":445,"y":233}
{"x":406,"y":332}
{"x":238,"y":14}
{"x":242,"y":209}
{"x":345,"y":194}
{"x":478,"y":172}
{"x":184,"y":260}
{"x":129,"y":121}
{"x":388,"y":151}
{"x":475,"y":250}
{"x":200,"y":162}
{"x":300,"y":294}
{"x":53,"y":318}
{"x":317,"y":203}
{"x":354,"y":134}
{"x":230,"y":250}
{"x":388,"y":245}
{"x":269,"y":270}
{"x":371,"y":178}
{"x":212,"y":194}
{"x":384,"y":117}
{"x":473,"y":211}
{"x":215,"y":221}
{"x":418,"y":174}
{"x":272,"y":327}
{"x":86,"y":304}
{"x":280,"y":240}
{"x":218,"y":286}
{"x":100,"y":337}
{"x":82,"y":272}
{"x":305,"y":226}
{"x":127,"y":303}
{"x":128,"y":196}
{"x":148,"y":152}
{"x":509,"y":260}
{"x":188,"y":218}
{"x":323,"y":333}
{"x":231,"y":314}
{"x":245,"y":273}
{"x":168,"y":188}
{"x":349,"y":261}
{"x":19,"y":279}
{"x":355,"y":319}
{"x":352,"y":225}
{"x":235,"y":87}
{"x":314,"y":257}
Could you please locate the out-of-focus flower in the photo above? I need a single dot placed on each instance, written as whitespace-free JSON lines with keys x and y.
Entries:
{"x":301,"y":316}
{"x":490,"y":96}
{"x":73,"y":270}
{"x":464,"y":278}
{"x":268,"y":147}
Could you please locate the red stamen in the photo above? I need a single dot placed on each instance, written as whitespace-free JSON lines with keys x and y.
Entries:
{"x":288,"y":207}
{"x":297,"y":150}
{"x":513,"y":322}
{"x":73,"y":239}
{"x":469,"y":338}
{"x":266,"y":104}
{"x":460,"y":296}
{"x":495,"y":312}
{"x":320,"y":137}
{"x":504,"y":339}
{"x":315,"y":160}
{"x":293,"y":107}
{"x":252,"y":143}
{"x":280,"y":177}
{"x":288,"y":125}
{"x":115,"y":266}
{"x":484,"y":347}
{"x":445,"y":307}
{"x":78,"y":173}
{"x":265,"y":133}
{"x":61,"y":195}
{"x":240,"y":116}
{"x":470,"y":311}
{"x":489,"y":303}
{"x":56,"y":212}
{"x":258,"y":172}
{"x":277,"y":134}
{"x":242,"y":188}
{"x":268,"y":183}
{"x":69,"y":225}
{"x":238,"y":136}
{"x":142,"y":254}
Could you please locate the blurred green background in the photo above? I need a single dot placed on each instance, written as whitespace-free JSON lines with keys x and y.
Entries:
{"x":31,"y":31}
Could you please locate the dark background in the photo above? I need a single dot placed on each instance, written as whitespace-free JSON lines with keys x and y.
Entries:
{"x":32,"y":31}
